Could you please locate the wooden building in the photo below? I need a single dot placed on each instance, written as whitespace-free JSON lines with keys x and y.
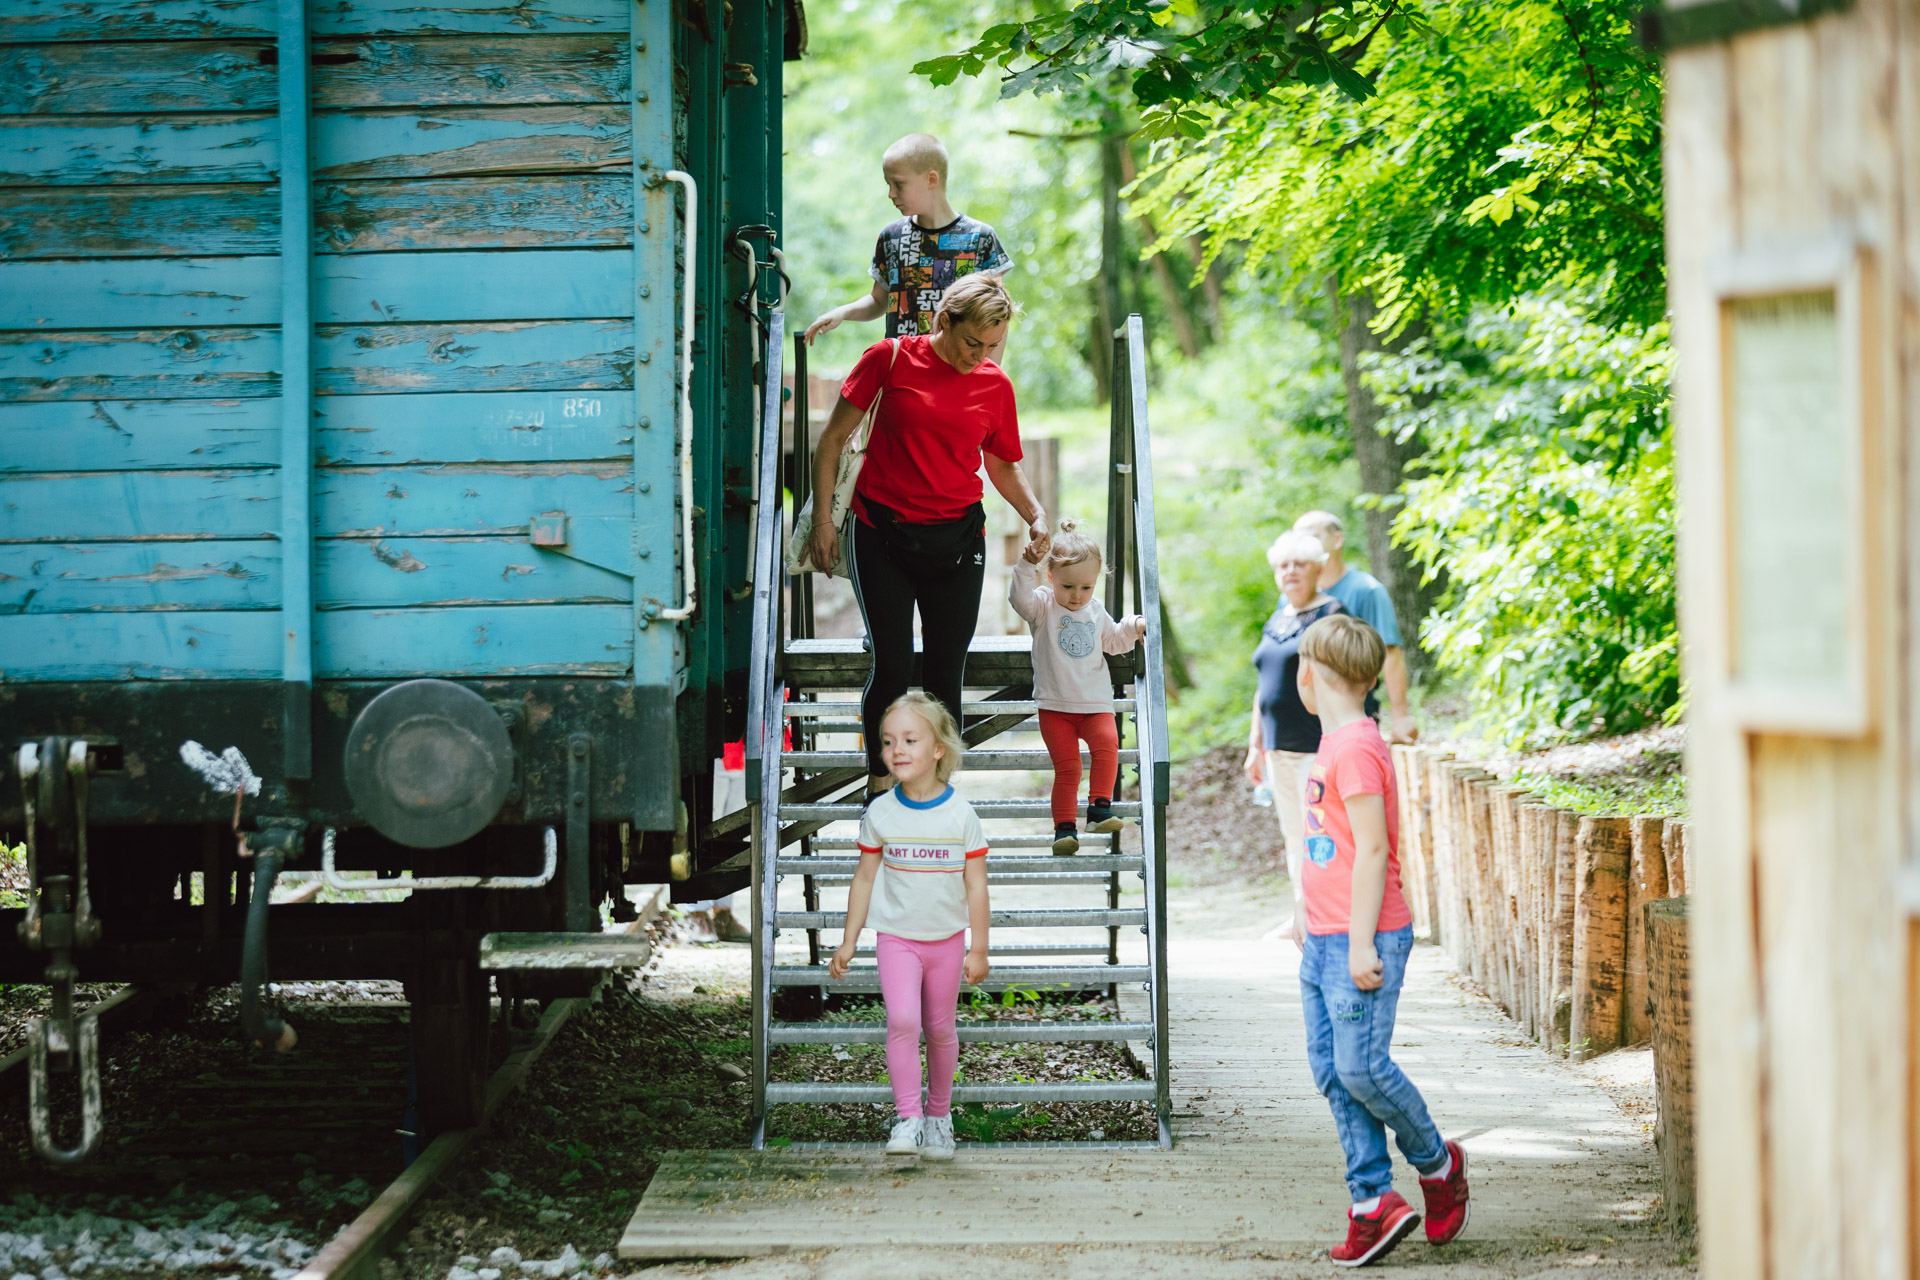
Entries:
{"x":1793,"y":223}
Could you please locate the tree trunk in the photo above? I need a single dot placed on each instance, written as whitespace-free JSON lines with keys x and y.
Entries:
{"x":1109,"y":306}
{"x":1383,"y":462}
{"x":1173,"y":294}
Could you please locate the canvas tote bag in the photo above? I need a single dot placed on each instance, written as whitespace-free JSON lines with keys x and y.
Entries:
{"x":851,"y":460}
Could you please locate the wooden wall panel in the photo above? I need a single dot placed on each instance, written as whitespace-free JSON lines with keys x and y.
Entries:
{"x":30,"y":20}
{"x":1775,"y":139}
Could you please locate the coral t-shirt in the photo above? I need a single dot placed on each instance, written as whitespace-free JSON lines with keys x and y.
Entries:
{"x":1352,"y":761}
{"x":923,"y":459}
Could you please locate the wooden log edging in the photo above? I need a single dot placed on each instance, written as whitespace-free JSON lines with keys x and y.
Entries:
{"x":1542,"y":907}
{"x":1670,"y":1015}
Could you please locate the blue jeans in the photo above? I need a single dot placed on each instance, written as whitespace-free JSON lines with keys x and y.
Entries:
{"x":1349,"y":1038}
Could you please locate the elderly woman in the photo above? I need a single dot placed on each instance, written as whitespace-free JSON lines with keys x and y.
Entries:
{"x":919,"y":537}
{"x":1284,"y":735}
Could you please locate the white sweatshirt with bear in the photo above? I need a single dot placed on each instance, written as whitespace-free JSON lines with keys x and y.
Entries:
{"x":1069,"y":646}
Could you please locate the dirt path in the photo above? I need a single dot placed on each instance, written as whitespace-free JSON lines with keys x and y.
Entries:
{"x":1565,"y":1179}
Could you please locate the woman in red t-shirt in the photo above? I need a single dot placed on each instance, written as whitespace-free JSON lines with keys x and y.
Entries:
{"x":919,"y":529}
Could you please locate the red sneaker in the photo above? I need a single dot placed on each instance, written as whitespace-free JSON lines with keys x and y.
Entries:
{"x":1447,"y":1199}
{"x":1371,"y":1238}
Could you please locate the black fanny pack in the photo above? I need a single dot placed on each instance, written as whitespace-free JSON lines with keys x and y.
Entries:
{"x":943,"y":543}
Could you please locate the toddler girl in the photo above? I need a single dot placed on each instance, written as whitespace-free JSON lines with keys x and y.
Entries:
{"x":1072,"y":636}
{"x":925,"y":847}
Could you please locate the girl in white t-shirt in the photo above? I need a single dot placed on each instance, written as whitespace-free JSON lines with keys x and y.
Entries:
{"x":922,"y":883}
{"x":1072,"y":636}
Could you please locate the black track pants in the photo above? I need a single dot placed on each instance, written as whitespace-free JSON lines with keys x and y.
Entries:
{"x":889,"y":584}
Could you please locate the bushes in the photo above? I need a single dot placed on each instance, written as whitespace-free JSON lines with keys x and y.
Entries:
{"x":1546,"y":499}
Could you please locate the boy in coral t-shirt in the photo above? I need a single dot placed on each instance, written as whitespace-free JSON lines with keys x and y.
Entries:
{"x":1355,"y":941}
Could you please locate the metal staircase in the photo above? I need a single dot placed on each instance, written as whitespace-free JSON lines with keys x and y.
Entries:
{"x":809,"y":687}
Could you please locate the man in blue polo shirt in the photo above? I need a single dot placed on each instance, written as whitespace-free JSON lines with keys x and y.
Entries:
{"x":1361,"y":595}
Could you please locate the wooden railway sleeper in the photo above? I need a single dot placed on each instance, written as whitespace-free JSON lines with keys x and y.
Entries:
{"x":59,"y":919}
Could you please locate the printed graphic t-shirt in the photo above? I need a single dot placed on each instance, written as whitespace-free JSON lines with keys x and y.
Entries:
{"x":924,"y":845}
{"x":923,"y":460}
{"x":1352,"y":761}
{"x":917,"y":265}
{"x":1069,"y":648}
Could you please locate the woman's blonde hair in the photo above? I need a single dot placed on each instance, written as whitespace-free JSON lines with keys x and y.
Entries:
{"x":1070,"y":546}
{"x":946,"y":731}
{"x":980,"y":298}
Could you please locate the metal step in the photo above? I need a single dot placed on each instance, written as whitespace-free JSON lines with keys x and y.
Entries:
{"x":995,"y":1031}
{"x":779,"y":1092}
{"x":999,"y":865}
{"x":1060,"y":879}
{"x":1062,"y":918}
{"x":1034,"y":977}
{"x":1034,"y":808}
{"x":564,"y":950}
{"x":995,"y":950}
{"x":972,"y":707}
{"x":973,"y":761}
{"x":1087,"y":840}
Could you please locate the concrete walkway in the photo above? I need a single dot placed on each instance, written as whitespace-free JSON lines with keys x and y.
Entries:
{"x":1564,"y":1181}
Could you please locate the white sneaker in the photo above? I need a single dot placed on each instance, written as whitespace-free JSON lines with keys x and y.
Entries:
{"x":905,"y":1139}
{"x":937,"y":1142}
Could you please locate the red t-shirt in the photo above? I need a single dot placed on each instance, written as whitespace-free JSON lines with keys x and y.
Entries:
{"x":1352,"y":761}
{"x":923,"y":460}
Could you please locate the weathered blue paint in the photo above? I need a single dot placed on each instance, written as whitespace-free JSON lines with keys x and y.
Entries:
{"x":498,"y":640}
{"x":223,"y":364}
{"x":140,"y":505}
{"x":349,"y":573}
{"x":125,"y":576}
{"x":428,"y":501}
{"x":135,"y":77}
{"x":528,"y":426}
{"x":390,"y":572}
{"x":175,"y":645}
{"x":30,"y":20}
{"x":554,"y":284}
{"x":390,"y":142}
{"x":491,"y":212}
{"x":296,"y":391}
{"x":139,"y":435}
{"x":661,"y":660}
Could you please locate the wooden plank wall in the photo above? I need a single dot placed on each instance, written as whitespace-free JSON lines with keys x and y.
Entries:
{"x":1795,"y":135}
{"x":474,"y":300}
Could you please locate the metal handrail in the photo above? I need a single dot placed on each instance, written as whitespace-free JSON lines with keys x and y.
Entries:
{"x":765,"y":694}
{"x":1130,"y":489}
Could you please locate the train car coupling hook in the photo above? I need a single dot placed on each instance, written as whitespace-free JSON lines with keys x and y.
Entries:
{"x":54,"y":778}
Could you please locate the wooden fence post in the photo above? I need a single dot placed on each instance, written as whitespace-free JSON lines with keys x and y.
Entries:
{"x":1671,"y":836}
{"x":1536,"y":848}
{"x":1499,"y":863}
{"x":1412,"y":836}
{"x":1443,"y":868}
{"x":1478,"y":850}
{"x":1565,"y":865}
{"x":1603,"y":849}
{"x":1646,"y":882}
{"x":1672,"y":1020}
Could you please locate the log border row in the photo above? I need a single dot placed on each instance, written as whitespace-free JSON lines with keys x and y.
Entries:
{"x":1542,"y":907}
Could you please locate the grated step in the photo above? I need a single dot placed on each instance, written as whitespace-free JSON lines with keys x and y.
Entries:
{"x":982,"y":707}
{"x":998,"y":865}
{"x":1036,"y":808}
{"x":996,"y":950}
{"x":1064,"y":918}
{"x":973,"y":761}
{"x":1024,"y":977}
{"x":1087,"y":841}
{"x":994,"y":1031}
{"x":782,"y":1092}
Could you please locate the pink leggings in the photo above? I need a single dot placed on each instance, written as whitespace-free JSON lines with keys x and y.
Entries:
{"x":1062,"y":731}
{"x":921,"y":984}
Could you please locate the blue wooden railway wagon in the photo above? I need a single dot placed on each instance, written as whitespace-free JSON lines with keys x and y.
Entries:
{"x":379,"y":383}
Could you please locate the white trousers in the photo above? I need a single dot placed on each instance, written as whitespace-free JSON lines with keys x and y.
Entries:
{"x":1287,"y":773}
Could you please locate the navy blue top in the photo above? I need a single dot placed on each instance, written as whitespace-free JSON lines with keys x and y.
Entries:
{"x":1285,"y":722}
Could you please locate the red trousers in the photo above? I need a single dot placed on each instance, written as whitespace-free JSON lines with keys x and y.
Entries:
{"x":1063,"y":732}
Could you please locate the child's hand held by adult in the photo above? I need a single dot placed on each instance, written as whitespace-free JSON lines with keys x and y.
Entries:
{"x":976,"y":968}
